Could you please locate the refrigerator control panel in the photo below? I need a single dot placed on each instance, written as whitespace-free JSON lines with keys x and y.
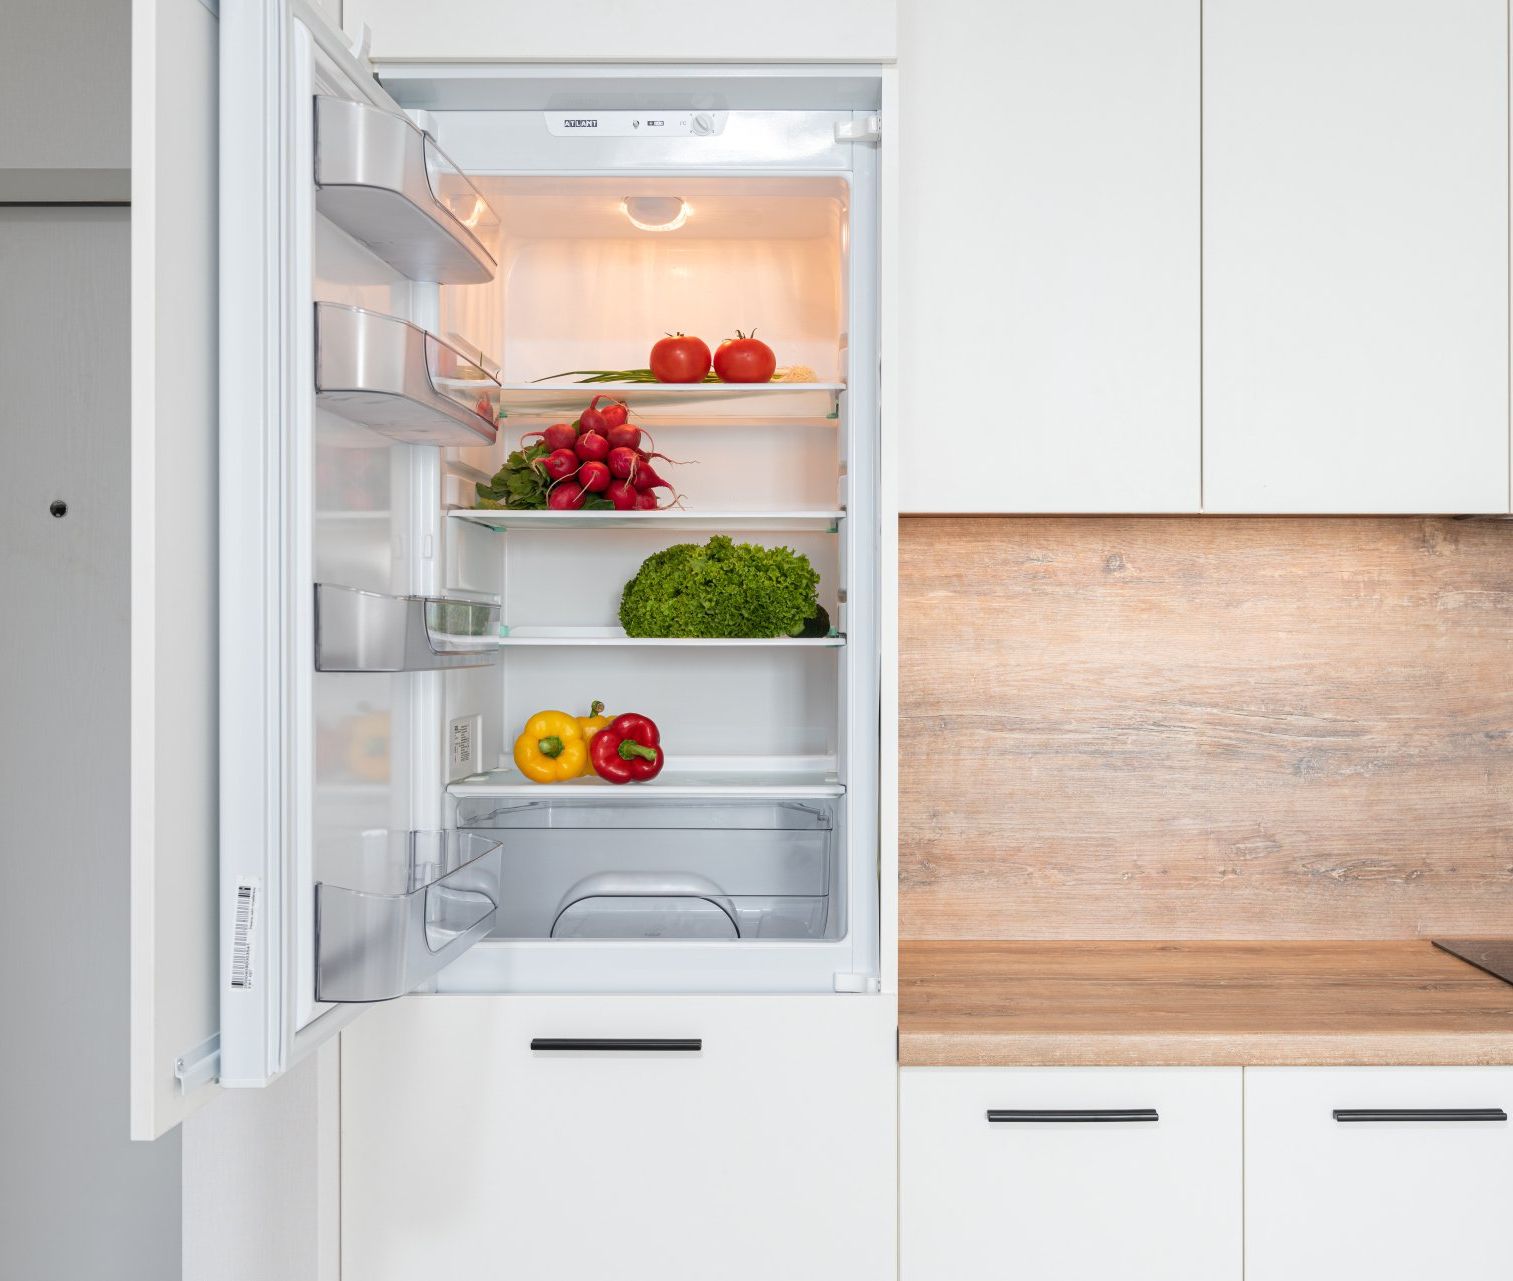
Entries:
{"x":631,"y":124}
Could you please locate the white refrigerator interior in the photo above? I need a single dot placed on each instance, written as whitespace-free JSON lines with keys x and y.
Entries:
{"x":430,"y":285}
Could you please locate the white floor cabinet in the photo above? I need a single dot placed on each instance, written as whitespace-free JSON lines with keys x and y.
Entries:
{"x":473,"y":1148}
{"x":1390,"y":1173}
{"x":1070,"y":1174}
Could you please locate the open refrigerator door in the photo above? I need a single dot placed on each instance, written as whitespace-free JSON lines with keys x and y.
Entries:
{"x":339,"y":216}
{"x":408,"y":301}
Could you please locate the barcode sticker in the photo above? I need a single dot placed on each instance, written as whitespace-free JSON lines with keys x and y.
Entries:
{"x":241,"y":937}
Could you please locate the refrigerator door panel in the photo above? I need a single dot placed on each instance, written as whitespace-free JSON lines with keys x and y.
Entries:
{"x":172,"y":478}
{"x":318,"y":756}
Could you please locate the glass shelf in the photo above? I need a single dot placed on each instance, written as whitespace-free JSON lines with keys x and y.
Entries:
{"x":394,"y":908}
{"x":795,"y":778}
{"x":662,"y":404}
{"x":387,"y":184}
{"x":558,"y":637}
{"x":399,"y":380}
{"x":714,"y":521}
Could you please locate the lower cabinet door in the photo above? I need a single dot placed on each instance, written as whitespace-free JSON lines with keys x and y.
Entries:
{"x":1070,"y":1174}
{"x":620,"y":1138}
{"x":1381,"y":1173}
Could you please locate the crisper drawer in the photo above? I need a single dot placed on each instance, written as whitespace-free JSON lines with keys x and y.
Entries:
{"x":1391,"y":1173}
{"x":1070,"y":1174}
{"x":676,"y":1138}
{"x":633,"y":868}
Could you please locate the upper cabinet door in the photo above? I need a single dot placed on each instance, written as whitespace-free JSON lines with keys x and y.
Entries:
{"x":1048,"y":322}
{"x":1355,"y":256}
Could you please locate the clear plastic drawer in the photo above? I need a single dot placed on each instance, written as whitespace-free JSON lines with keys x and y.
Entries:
{"x":633,"y":869}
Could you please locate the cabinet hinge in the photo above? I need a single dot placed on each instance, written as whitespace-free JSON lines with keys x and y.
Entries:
{"x":198,"y":1066}
{"x":867,"y":129}
{"x":857,"y":983}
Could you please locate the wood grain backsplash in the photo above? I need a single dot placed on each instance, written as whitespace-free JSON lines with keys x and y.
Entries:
{"x":1226,"y":728}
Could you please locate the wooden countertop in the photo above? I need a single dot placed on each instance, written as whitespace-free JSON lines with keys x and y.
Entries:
{"x":981,"y":1003}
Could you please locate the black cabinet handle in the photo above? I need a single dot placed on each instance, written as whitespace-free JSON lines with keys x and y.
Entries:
{"x":1420,"y":1114}
{"x":1075,"y":1114}
{"x":609,"y":1043}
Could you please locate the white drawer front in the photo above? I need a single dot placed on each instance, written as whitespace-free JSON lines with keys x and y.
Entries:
{"x":1074,"y":1199}
{"x":768,"y":1152}
{"x":1391,"y":1200}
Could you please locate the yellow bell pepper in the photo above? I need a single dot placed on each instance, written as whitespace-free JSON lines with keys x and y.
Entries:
{"x":591,"y":725}
{"x":551,"y":748}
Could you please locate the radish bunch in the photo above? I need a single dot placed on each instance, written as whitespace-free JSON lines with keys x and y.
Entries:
{"x":602,"y":455}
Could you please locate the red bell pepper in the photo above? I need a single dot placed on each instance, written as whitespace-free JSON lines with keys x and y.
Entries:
{"x":627,"y":750}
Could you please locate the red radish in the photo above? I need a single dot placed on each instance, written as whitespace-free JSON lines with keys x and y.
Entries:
{"x":647,"y":503}
{"x":624,"y":436}
{"x":560,"y":463}
{"x":594,"y":477}
{"x":623,"y":494}
{"x":595,"y":419}
{"x":567,"y":496}
{"x":615,"y":413}
{"x":645,"y":479}
{"x":592,"y":447}
{"x":623,"y":462}
{"x":559,"y":436}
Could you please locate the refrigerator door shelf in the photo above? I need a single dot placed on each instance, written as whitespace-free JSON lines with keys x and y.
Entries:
{"x":358,"y":631}
{"x":399,"y":380}
{"x":417,"y":901}
{"x":387,"y":184}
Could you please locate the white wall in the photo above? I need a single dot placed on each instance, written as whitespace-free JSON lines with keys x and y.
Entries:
{"x":64,"y":89}
{"x":262,"y":1180}
{"x":78,"y":1199}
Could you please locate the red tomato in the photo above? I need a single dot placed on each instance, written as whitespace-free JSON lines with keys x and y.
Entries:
{"x":744,"y":359}
{"x":679,"y":359}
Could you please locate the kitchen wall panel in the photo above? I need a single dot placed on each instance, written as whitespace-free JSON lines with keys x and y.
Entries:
{"x":1221,"y":728}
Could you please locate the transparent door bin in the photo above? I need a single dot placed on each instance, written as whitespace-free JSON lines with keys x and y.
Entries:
{"x":401,"y":381}
{"x":386,"y":183}
{"x":394,"y":908}
{"x":742,"y":871}
{"x":358,"y":631}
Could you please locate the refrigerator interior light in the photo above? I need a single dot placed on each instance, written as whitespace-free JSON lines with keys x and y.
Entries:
{"x":656,"y":213}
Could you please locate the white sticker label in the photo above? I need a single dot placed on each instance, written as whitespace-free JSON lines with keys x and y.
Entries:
{"x":241,"y":936}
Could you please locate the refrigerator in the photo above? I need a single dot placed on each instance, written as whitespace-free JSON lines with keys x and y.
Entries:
{"x":412,"y":274}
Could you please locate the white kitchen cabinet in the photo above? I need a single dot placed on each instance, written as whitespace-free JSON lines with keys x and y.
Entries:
{"x":1076,"y":1180}
{"x":767,"y":1152}
{"x":1048,"y":347}
{"x":1417,"y":1193}
{"x":1355,"y":256}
